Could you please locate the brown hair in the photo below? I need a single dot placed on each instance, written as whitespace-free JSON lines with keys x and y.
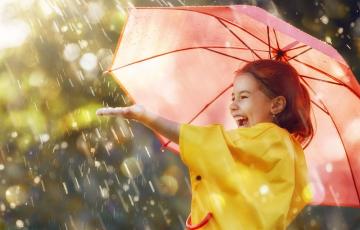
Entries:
{"x":279,"y":78}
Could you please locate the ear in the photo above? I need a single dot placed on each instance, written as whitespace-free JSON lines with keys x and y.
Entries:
{"x":278,"y":104}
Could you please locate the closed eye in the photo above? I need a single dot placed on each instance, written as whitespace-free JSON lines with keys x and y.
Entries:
{"x":241,"y":98}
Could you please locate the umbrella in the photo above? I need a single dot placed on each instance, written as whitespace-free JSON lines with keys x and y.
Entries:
{"x":179,"y":62}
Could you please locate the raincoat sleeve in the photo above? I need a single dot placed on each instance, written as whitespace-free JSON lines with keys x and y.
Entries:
{"x":255,"y":165}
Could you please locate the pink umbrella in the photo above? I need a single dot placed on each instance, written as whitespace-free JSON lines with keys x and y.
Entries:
{"x":179,"y":62}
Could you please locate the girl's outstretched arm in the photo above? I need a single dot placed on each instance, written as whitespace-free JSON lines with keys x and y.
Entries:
{"x":165,"y":127}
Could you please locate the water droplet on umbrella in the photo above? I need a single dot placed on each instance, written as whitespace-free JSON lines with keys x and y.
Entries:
{"x":329,"y":167}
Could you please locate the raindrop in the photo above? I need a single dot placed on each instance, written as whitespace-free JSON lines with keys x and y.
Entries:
{"x":352,"y":132}
{"x":16,"y":195}
{"x":37,"y":180}
{"x":329,"y":167}
{"x":44,"y":137}
{"x":71,"y":83}
{"x":16,"y":32}
{"x":95,"y":12}
{"x":74,"y":124}
{"x":181,"y":2}
{"x":328,"y":39}
{"x":64,"y":28}
{"x":83,"y":44}
{"x":136,"y":198}
{"x":104,"y":192}
{"x":88,"y":62}
{"x":110,"y":169}
{"x":65,"y":188}
{"x":131,"y":167}
{"x":3,"y":207}
{"x":324,"y":19}
{"x":43,"y":186}
{"x":168,"y":185}
{"x":131,"y":201}
{"x":126,"y":187}
{"x":14,"y":134}
{"x":313,"y":223}
{"x":71,"y":52}
{"x":37,"y":78}
{"x":19,"y":224}
{"x":264,"y":189}
{"x":152,"y":202}
{"x":147,"y":151}
{"x":97,"y":164}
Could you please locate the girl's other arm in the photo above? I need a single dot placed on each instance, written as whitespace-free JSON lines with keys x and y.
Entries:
{"x":165,"y":127}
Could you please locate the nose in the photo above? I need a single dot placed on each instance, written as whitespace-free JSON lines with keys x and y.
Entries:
{"x":233,"y":106}
{"x":233,"y":109}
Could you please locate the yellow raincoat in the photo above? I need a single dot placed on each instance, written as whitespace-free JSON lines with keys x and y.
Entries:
{"x":248,"y":178}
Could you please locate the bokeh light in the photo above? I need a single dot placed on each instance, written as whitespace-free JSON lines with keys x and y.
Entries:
{"x":16,"y":195}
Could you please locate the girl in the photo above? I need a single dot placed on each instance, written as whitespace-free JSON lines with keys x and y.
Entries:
{"x":252,"y":177}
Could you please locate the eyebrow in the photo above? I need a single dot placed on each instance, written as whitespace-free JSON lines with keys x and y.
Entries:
{"x":242,"y":91}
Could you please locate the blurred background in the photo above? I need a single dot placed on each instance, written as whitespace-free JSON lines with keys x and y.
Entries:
{"x":61,"y":167}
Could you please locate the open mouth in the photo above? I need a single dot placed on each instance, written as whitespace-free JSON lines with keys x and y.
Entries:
{"x":242,"y":121}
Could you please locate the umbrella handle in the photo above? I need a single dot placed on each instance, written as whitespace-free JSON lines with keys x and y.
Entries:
{"x":189,"y":226}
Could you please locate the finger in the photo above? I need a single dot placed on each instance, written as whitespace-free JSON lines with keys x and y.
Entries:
{"x":108,"y":111}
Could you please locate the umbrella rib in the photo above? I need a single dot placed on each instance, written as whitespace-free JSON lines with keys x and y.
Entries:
{"x":325,"y":110}
{"x":347,"y":157}
{"x":330,"y":76}
{"x":342,"y":141}
{"x":217,"y":17}
{"x":174,"y":51}
{"x":231,"y":47}
{"x":338,"y":132}
{"x":317,"y":79}
{"x":312,"y":101}
{"x":202,"y":110}
{"x":247,"y":61}
{"x":208,"y":104}
{"x":268,"y":37}
{"x":290,"y":58}
{"x":302,"y":46}
{"x":232,"y":32}
{"x":276,"y":39}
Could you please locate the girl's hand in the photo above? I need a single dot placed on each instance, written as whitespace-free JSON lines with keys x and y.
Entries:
{"x":165,"y":127}
{"x":136,"y":112}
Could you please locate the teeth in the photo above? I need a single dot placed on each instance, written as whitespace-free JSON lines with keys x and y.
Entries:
{"x":241,"y":120}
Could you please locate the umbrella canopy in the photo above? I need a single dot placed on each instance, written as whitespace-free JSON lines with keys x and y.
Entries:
{"x":180,"y":63}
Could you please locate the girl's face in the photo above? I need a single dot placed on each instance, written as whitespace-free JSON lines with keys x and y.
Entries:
{"x":249,"y":104}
